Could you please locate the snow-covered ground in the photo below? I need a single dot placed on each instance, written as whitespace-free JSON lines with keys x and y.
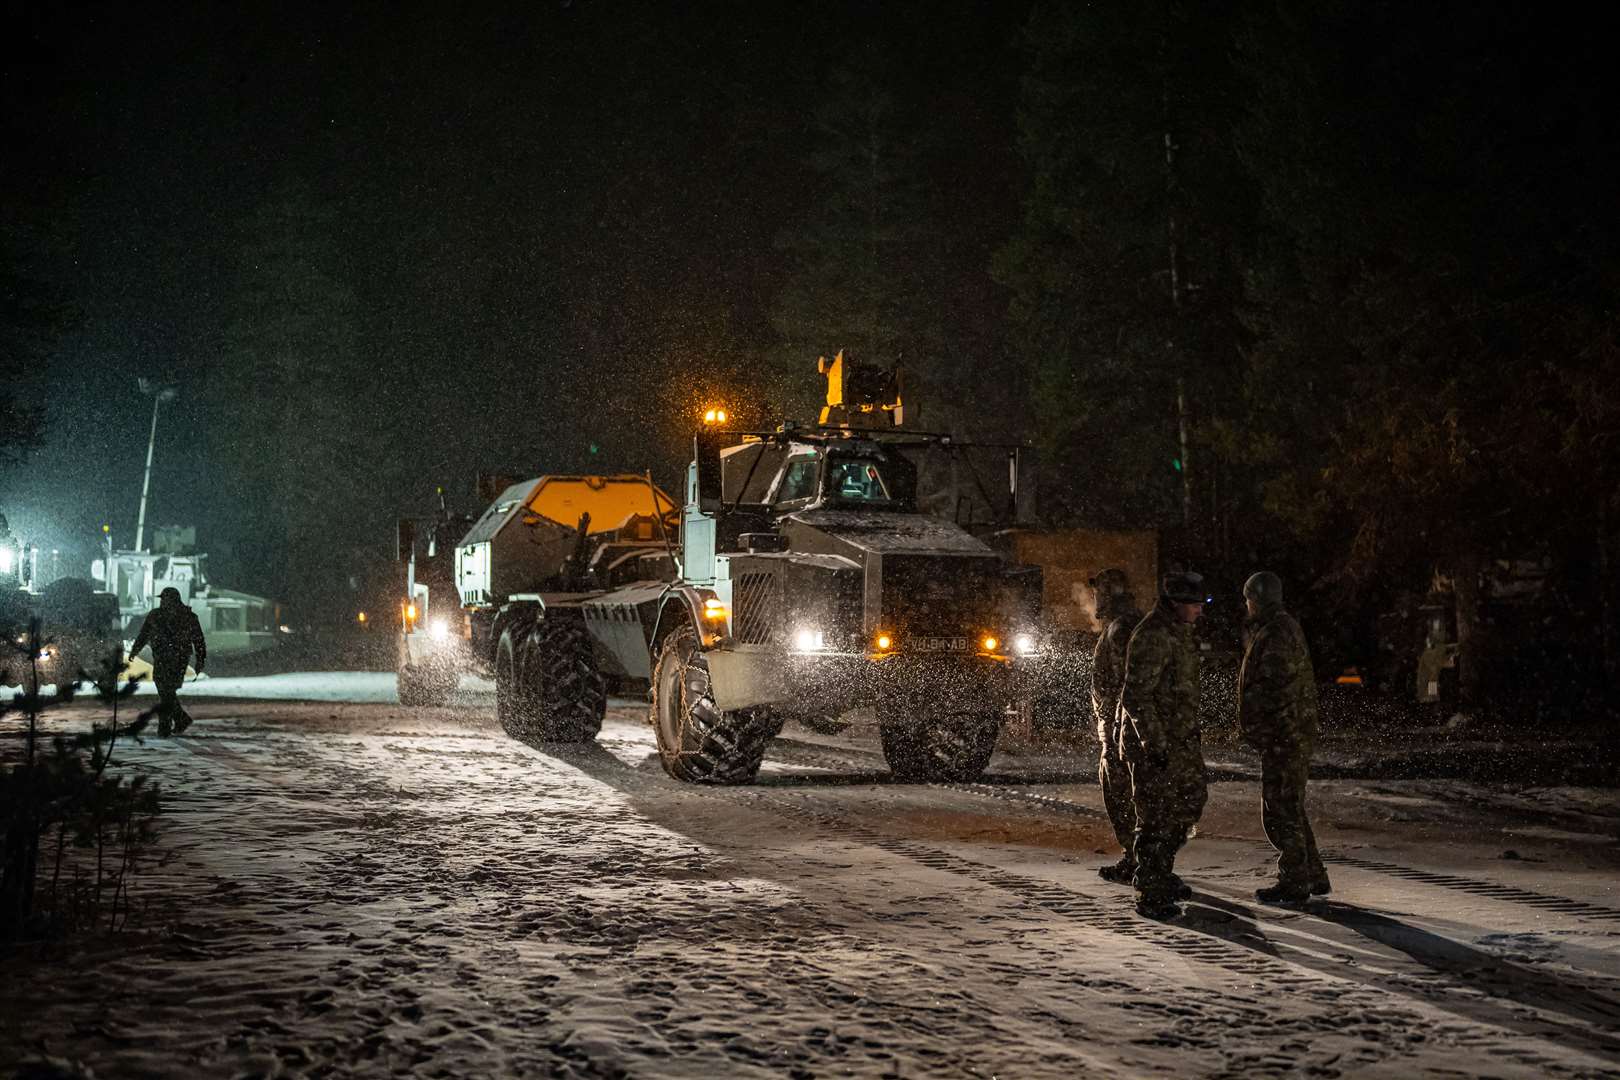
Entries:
{"x":357,"y":687}
{"x":358,"y":888}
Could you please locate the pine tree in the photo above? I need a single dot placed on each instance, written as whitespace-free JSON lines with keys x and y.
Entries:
{"x":293,"y":408}
{"x":1124,"y":273}
{"x":866,"y":258}
{"x":1398,"y":412}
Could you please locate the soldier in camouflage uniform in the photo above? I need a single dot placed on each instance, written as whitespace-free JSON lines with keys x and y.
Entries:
{"x":1277,"y":716}
{"x":1116,"y":610}
{"x":1161,"y":742}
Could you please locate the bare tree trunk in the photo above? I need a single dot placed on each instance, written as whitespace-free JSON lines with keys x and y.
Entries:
{"x":1465,"y":572}
{"x":1606,"y":587}
{"x":1172,"y":193}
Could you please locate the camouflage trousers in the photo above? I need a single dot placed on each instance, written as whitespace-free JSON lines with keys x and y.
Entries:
{"x":1283,"y":773}
{"x":1168,"y":799}
{"x":1114,"y":776}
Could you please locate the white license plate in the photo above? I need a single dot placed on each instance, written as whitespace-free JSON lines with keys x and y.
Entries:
{"x":939,"y":644}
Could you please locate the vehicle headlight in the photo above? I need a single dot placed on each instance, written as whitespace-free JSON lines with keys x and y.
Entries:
{"x":440,"y":630}
{"x":1025,"y":644}
{"x":809,"y":639}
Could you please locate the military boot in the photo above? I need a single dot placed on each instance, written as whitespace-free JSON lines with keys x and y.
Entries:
{"x":1119,"y":873}
{"x":1283,"y":895}
{"x":1182,"y":890}
{"x":1157,"y":907}
{"x":1321,"y":886}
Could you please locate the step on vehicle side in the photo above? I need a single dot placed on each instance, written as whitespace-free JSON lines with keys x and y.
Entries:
{"x":811,"y":585}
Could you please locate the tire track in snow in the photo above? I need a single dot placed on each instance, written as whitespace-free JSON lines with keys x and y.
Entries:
{"x":818,"y":756}
{"x":1279,"y":971}
{"x":1592,"y":999}
{"x":1483,"y":1022}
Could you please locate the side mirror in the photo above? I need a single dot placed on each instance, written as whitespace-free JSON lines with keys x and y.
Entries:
{"x":405,"y":540}
{"x":706,"y":456}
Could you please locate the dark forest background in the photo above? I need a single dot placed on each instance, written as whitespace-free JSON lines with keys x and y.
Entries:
{"x":1327,"y":287}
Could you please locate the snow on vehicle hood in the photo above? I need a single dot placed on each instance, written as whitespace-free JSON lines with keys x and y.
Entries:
{"x":885,"y":531}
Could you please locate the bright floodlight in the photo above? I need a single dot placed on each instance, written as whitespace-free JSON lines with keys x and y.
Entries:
{"x":440,"y":630}
{"x":810,"y":640}
{"x":1024,"y":643}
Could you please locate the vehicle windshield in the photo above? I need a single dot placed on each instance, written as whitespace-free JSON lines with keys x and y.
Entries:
{"x":858,"y":480}
{"x":798,"y":480}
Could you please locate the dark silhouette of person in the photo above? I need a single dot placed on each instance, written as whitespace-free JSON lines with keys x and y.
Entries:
{"x":174,"y":633}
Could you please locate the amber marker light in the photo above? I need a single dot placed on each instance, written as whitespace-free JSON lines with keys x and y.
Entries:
{"x":883,"y":641}
{"x":360,"y":618}
{"x":714,"y":416}
{"x":990,"y":643}
{"x":410,"y":613}
{"x":714,"y":610}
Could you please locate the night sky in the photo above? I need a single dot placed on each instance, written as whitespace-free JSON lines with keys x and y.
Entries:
{"x":1371,"y":299}
{"x":554,"y":226}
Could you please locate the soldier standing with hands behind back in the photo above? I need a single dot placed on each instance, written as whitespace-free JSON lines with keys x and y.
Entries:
{"x":1161,"y":741}
{"x":1277,"y":716}
{"x":1116,"y":610}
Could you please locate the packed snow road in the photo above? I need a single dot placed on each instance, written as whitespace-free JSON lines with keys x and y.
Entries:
{"x":363,"y":889}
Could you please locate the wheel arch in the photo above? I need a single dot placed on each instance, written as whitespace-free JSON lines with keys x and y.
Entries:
{"x":511,"y":612}
{"x":680,"y":607}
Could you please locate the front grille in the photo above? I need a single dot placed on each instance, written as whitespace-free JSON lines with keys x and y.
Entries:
{"x":754,"y":603}
{"x":942,"y":594}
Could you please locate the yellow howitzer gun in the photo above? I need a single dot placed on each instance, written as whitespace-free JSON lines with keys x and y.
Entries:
{"x":860,"y":396}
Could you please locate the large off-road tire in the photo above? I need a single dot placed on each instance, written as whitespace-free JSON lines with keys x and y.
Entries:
{"x":426,"y":688}
{"x":696,"y":742}
{"x":513,"y":708}
{"x":945,"y":747}
{"x":566,"y":693}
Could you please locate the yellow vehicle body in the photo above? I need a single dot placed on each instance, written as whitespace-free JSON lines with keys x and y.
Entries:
{"x":526,"y":536}
{"x":611,"y":501}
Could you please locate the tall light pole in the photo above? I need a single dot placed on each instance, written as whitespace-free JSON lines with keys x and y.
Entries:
{"x":160,"y":394}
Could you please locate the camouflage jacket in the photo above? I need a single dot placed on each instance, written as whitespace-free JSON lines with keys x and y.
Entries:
{"x":1277,"y":706}
{"x":1108,"y":670}
{"x":1159,"y":701}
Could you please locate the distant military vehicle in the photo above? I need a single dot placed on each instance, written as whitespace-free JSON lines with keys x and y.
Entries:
{"x":80,"y":631}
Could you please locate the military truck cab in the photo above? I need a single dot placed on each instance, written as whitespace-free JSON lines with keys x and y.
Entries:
{"x":812,"y":585}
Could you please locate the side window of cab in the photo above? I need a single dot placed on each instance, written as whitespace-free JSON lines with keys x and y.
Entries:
{"x":798,"y":483}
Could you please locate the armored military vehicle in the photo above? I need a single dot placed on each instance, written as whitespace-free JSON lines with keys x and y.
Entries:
{"x":806,"y":583}
{"x":811,"y":585}
{"x":476,"y":588}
